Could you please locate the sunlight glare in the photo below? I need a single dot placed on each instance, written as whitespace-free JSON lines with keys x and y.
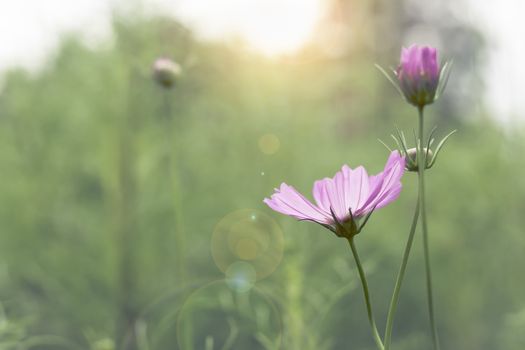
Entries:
{"x":271,"y":26}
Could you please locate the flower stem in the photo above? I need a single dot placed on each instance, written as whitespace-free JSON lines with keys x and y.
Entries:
{"x":173,"y":187}
{"x":368,"y":302}
{"x":399,"y":280}
{"x":421,"y":176}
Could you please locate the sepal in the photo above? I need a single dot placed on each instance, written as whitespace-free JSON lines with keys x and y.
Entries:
{"x":410,"y":154}
{"x":444,"y":74}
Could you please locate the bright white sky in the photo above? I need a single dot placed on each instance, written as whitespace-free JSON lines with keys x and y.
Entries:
{"x":504,"y":27}
{"x":30,"y":30}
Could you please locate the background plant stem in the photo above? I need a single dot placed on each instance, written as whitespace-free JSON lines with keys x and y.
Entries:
{"x":126,"y":223}
{"x":174,"y":188}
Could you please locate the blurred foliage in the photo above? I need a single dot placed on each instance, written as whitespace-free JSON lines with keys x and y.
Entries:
{"x":112,"y":188}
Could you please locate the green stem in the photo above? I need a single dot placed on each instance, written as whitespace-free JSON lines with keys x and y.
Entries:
{"x":399,"y":280}
{"x":368,"y":302}
{"x":126,"y":223}
{"x":174,"y":188}
{"x":421,"y":160}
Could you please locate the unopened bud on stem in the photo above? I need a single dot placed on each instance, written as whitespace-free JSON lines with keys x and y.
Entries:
{"x":411,"y":161}
{"x":166,"y":72}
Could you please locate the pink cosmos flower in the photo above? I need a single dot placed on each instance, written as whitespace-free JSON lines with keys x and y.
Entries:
{"x":341,"y":201}
{"x":418,"y":74}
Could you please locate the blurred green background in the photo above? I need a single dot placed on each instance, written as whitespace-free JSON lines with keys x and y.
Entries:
{"x":132,"y":218}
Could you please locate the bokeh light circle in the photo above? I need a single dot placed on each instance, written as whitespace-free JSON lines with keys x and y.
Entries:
{"x":249,"y":237}
{"x":269,"y":144}
{"x":224,"y":318}
{"x":240,"y":276}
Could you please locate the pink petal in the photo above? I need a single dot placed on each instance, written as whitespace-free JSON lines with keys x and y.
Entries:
{"x":339,"y":202}
{"x":357,"y":190}
{"x":347,"y":190}
{"x":286,"y":200}
{"x":385,"y":185}
{"x":404,"y":55}
{"x":320,"y":194}
{"x":329,"y":196}
{"x":389,"y":196}
{"x":429,"y":63}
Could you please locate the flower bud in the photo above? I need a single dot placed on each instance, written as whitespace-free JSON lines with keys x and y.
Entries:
{"x":418,"y":74}
{"x":166,"y":72}
{"x":411,"y":159}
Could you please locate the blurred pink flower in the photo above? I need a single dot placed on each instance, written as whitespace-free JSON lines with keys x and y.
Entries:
{"x":343,"y":200}
{"x":418,"y":74}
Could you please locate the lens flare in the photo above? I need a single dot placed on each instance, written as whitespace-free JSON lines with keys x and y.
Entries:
{"x":269,"y":144}
{"x":218,"y":310}
{"x":240,"y":276}
{"x":247,"y":236}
